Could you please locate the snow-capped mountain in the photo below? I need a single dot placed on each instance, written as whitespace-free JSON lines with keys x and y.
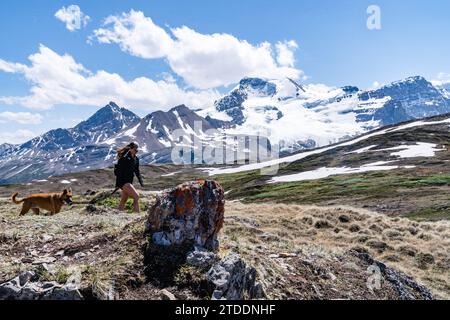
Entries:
{"x":294,"y":116}
{"x":65,"y":150}
{"x":412,"y":98}
{"x":155,"y":133}
{"x":105,"y":122}
{"x":93,"y":143}
{"x":96,"y":129}
{"x":315,"y":115}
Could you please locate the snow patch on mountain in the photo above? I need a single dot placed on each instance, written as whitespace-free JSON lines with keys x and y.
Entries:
{"x":420,"y":149}
{"x":327,"y":172}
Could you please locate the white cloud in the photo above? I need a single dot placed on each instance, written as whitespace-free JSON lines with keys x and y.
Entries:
{"x":285,"y":53}
{"x":442,"y":79}
{"x":18,"y":136}
{"x":20,"y":117}
{"x":73,"y":17}
{"x":10,"y":67}
{"x":202,"y":60}
{"x":135,"y":34}
{"x":58,"y":79}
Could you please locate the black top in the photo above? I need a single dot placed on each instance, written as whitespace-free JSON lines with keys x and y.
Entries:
{"x":127,"y":167}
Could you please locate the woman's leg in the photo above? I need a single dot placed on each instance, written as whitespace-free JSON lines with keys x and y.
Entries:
{"x":123,"y":199}
{"x":131,"y":191}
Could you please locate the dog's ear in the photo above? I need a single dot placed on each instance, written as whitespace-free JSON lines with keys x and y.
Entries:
{"x":64,"y":192}
{"x":70,"y":189}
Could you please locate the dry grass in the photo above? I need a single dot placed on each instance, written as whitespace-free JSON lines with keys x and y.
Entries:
{"x":419,"y":249}
{"x":105,"y":247}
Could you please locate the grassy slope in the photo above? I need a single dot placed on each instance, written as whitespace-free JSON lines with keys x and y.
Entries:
{"x":402,"y":192}
{"x":419,"y":193}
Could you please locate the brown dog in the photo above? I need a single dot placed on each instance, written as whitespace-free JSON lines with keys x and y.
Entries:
{"x":47,"y":201}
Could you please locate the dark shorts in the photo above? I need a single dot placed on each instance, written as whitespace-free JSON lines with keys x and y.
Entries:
{"x":121,"y":183}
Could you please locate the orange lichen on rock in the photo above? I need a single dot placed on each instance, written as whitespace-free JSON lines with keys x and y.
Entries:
{"x":192,"y":211}
{"x":184,"y":201}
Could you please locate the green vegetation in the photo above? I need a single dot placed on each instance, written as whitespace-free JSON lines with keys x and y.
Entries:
{"x":430,"y":214}
{"x":113,"y":202}
{"x":363,"y":188}
{"x":251,"y":187}
{"x":60,"y":275}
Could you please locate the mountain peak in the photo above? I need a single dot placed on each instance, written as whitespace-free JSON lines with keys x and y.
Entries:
{"x":112,"y":110}
{"x":181,"y":106}
{"x":415,"y":78}
{"x":350,"y":89}
{"x":258,"y":85}
{"x":252,"y":81}
{"x":180,"y":109}
{"x":113,"y":104}
{"x":410,"y":80}
{"x":104,"y":123}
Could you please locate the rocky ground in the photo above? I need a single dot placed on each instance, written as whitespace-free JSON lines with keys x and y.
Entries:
{"x":299,"y":252}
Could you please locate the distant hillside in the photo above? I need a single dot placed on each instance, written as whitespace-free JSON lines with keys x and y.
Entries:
{"x":398,"y":170}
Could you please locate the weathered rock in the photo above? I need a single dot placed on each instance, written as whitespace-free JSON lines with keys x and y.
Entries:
{"x":201,"y":258}
{"x":234,"y":280}
{"x":43,"y":260}
{"x":46,"y":238}
{"x":66,"y":292}
{"x":406,"y":287}
{"x":167,"y":295}
{"x":183,"y":226}
{"x":26,"y":287}
{"x":79,"y":255}
{"x":191,"y":212}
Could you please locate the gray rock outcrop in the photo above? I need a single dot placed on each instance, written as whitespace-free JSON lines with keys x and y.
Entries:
{"x":26,"y":287}
{"x":234,"y":280}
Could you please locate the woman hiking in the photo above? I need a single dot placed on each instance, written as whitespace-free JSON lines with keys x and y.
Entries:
{"x":127,"y":166}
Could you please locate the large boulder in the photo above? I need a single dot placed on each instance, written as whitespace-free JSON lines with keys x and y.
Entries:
{"x":192,"y":212}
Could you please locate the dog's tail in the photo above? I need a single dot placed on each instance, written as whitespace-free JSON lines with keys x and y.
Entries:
{"x":13,"y":198}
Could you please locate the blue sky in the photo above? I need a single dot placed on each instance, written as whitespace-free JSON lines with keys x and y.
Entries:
{"x":325,"y":41}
